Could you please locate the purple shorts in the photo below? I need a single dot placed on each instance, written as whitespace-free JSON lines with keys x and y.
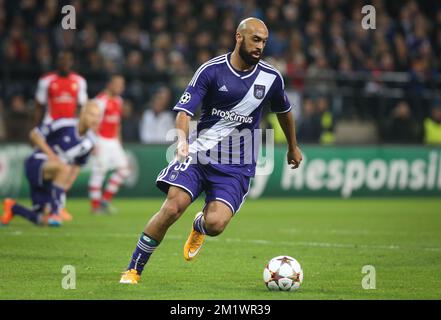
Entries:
{"x":229,"y":188}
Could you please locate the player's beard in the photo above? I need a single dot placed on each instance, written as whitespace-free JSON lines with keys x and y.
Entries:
{"x":247,"y":56}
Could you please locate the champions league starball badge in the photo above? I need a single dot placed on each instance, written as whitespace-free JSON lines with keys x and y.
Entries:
{"x":259,"y":91}
{"x":186,"y":97}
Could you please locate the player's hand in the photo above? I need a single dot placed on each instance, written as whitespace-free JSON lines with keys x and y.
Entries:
{"x":294,"y":157}
{"x":182,"y":151}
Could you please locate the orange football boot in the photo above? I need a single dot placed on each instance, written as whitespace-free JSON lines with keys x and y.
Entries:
{"x":65,"y":215}
{"x":130,"y":277}
{"x":7,"y":211}
{"x":194,"y":242}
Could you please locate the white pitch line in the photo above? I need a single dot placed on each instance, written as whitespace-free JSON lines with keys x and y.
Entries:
{"x":229,"y":240}
{"x":347,"y":232}
{"x":432,"y":249}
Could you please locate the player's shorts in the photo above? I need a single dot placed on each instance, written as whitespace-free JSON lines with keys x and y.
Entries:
{"x":109,"y":155}
{"x":40,"y":189}
{"x":229,"y":188}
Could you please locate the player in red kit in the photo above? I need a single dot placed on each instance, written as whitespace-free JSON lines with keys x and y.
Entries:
{"x":109,"y":154}
{"x":58,"y":95}
{"x":60,"y":92}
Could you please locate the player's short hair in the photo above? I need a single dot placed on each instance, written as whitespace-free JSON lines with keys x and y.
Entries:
{"x":113,"y":75}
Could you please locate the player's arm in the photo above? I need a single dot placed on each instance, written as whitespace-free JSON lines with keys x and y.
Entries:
{"x":41,"y":99}
{"x":38,"y":140}
{"x":82,"y":94}
{"x":120,"y":124}
{"x":38,"y":113}
{"x":282,"y":107}
{"x":286,"y":121}
{"x":182,"y":125}
{"x":120,"y":134}
{"x":187,"y":106}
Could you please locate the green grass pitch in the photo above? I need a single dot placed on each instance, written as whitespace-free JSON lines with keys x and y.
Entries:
{"x":331,"y":238}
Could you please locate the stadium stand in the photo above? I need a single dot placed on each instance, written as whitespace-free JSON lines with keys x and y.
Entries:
{"x":318,"y":45}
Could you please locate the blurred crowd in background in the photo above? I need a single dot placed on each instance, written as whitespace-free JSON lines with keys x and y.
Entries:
{"x":347,"y":84}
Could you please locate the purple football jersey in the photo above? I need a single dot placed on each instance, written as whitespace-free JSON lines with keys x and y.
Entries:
{"x":231,"y":108}
{"x":63,"y":138}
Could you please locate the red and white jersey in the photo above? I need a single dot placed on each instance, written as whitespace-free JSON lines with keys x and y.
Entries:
{"x":61,"y":95}
{"x":111,"y":111}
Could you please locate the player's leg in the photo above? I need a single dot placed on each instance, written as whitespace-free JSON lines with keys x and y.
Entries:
{"x":225,"y":194}
{"x":173,"y":207}
{"x":100,"y":166}
{"x":55,"y":171}
{"x":11,"y":208}
{"x":95,"y":183}
{"x":64,"y":213}
{"x":171,"y":210}
{"x":41,"y":199}
{"x":211,"y":221}
{"x":182,"y":183}
{"x":58,"y":173}
{"x":40,"y":214}
{"x":40,"y":189}
{"x":216,"y":217}
{"x":120,"y":163}
{"x":113,"y":184}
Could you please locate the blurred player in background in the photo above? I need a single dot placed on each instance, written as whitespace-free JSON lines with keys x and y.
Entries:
{"x":232,"y":88}
{"x":58,"y":95}
{"x":60,"y":92}
{"x":108,"y":154}
{"x":61,"y":148}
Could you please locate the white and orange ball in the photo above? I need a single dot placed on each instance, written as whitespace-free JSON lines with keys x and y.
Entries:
{"x":283,"y":273}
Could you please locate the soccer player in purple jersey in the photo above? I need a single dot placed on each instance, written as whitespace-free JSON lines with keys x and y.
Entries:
{"x":61,"y":148}
{"x":232,"y":89}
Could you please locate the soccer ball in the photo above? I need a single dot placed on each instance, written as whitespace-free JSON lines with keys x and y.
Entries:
{"x":283,"y":273}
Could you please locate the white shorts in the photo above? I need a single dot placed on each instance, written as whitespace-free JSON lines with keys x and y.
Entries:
{"x":109,"y":155}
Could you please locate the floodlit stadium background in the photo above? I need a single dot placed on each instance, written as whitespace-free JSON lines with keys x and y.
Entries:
{"x":366,"y":101}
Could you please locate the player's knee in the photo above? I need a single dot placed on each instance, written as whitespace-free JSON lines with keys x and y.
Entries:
{"x":171,"y":211}
{"x":97,"y":177}
{"x":63,"y":170}
{"x":124,"y":173}
{"x":56,"y":168}
{"x":68,"y":185}
{"x":215,"y":227}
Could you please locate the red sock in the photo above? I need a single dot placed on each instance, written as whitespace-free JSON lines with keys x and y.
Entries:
{"x":112,"y":187}
{"x":108,"y":196}
{"x":95,"y":196}
{"x":95,"y":204}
